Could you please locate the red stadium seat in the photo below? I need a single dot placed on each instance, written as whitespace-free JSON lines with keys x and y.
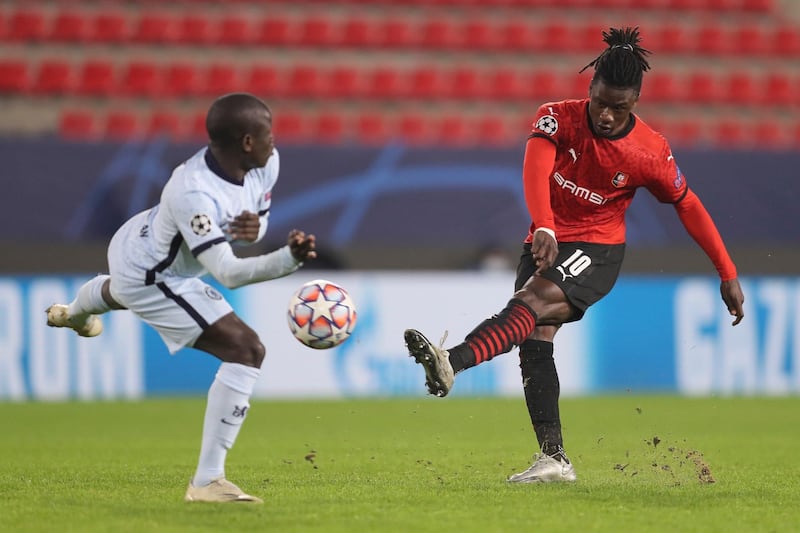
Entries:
{"x":701,"y":88}
{"x":76,"y":125}
{"x":758,"y":6}
{"x":289,"y":127}
{"x":768,"y":134}
{"x":544,"y":86}
{"x":26,"y":25}
{"x":479,"y":34}
{"x":197,"y":127}
{"x":195,"y":29}
{"x":274,"y":31}
{"x":556,"y":36}
{"x":96,"y":78}
{"x":140,"y":78}
{"x":439,"y":33}
{"x":493,"y":131}
{"x":121,"y":125}
{"x":69,"y":26}
{"x":14,"y":76}
{"x":749,"y":40}
{"x":359,"y":32}
{"x":712,"y":39}
{"x":222,"y":78}
{"x":413,"y":129}
{"x":506,"y":84}
{"x":109,"y":27}
{"x":316,"y":31}
{"x":465,"y":83}
{"x":779,"y":90}
{"x":739,"y":88}
{"x":54,"y":76}
{"x":669,"y":38}
{"x":263,"y":79}
{"x":155,"y":28}
{"x":729,"y":133}
{"x":328,"y":128}
{"x":304,"y":81}
{"x":426,"y":82}
{"x":344,"y":82}
{"x":785,"y":41}
{"x":685,"y":133}
{"x":660,"y":86}
{"x":181,"y":79}
{"x":397,"y":33}
{"x":166,"y":124}
{"x":235,"y":30}
{"x":371,"y":129}
{"x":453,"y":130}
{"x":517,"y":36}
{"x":384,"y":82}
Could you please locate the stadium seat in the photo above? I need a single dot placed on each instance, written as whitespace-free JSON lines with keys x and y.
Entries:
{"x":426,"y":82}
{"x":235,"y":30}
{"x":492,"y":131}
{"x":660,"y":87}
{"x":304,"y":81}
{"x":344,"y":82}
{"x":181,"y":79}
{"x":479,"y":34}
{"x":769,"y":135}
{"x":69,"y":26}
{"x":739,"y":88}
{"x":701,"y":88}
{"x":197,"y":127}
{"x":26,"y":25}
{"x":668,"y":38}
{"x":439,"y":33}
{"x":412,"y":128}
{"x":384,"y":83}
{"x":712,"y":39}
{"x":779,"y":90}
{"x":139,"y":78}
{"x":96,"y":78}
{"x":109,"y":27}
{"x":156,"y":28}
{"x":747,"y":39}
{"x":371,"y":129}
{"x":263,"y":80}
{"x":396,"y":33}
{"x":14,"y":76}
{"x":505,"y":84}
{"x":76,"y":125}
{"x":516,"y":36}
{"x":556,"y":36}
{"x":758,"y":6}
{"x":728,"y":133}
{"x":465,"y":83}
{"x":54,"y":77}
{"x":785,"y":41}
{"x":453,"y":130}
{"x":685,"y":133}
{"x":166,"y":124}
{"x":274,"y":31}
{"x":543,"y":86}
{"x":194,"y":29}
{"x":316,"y":31}
{"x":289,"y":127}
{"x":328,"y":128}
{"x":221,"y":78}
{"x":121,"y":126}
{"x":358,"y":32}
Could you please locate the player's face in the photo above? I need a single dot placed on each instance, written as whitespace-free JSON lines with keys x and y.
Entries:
{"x":610,"y":108}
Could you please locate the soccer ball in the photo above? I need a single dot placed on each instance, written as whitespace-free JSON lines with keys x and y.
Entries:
{"x":321,"y":314}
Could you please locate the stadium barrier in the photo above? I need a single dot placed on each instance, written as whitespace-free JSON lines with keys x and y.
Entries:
{"x":651,"y":334}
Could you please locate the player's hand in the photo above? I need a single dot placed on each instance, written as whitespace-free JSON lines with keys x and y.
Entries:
{"x":544,"y":250}
{"x":301,"y":245}
{"x":244,"y":227}
{"x":734,"y":299}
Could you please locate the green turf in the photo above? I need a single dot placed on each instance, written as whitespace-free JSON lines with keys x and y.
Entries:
{"x":405,"y":465}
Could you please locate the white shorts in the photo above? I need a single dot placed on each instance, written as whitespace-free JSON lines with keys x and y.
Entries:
{"x":179,"y":308}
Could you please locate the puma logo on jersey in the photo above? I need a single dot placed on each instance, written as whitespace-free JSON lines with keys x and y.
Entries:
{"x":573,"y":154}
{"x":564,"y":275}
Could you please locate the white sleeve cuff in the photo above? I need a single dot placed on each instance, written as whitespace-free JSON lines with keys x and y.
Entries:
{"x":549,"y":231}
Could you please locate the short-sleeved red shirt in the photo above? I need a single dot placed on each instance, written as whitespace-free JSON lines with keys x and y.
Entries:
{"x":594,"y":178}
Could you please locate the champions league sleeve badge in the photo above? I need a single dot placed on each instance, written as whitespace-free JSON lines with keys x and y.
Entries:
{"x":547,"y":124}
{"x":201,"y":224}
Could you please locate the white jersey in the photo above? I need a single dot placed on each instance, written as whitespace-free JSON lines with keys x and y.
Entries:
{"x":197,"y":204}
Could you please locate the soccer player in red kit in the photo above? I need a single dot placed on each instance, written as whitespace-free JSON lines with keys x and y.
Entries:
{"x":583,"y":162}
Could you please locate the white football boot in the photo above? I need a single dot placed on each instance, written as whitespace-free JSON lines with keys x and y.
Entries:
{"x":439,"y":375}
{"x":219,"y":490}
{"x":58,"y":317}
{"x":546,"y":469}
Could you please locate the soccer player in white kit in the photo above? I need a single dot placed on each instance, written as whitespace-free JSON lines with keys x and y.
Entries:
{"x":220,"y":195}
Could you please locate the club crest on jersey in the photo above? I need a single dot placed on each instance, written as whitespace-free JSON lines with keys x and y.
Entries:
{"x":620,"y":179}
{"x":201,"y":224}
{"x":548,"y":124}
{"x":212,"y":293}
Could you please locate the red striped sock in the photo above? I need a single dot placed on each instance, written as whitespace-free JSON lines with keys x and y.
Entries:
{"x":500,"y":333}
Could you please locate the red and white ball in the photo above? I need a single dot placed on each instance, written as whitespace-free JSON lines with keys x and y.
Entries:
{"x":321,"y":314}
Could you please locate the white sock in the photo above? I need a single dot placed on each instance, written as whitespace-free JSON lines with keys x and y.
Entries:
{"x":89,"y":300}
{"x":228,"y":402}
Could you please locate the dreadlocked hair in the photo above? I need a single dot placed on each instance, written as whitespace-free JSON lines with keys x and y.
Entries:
{"x":623,"y":62}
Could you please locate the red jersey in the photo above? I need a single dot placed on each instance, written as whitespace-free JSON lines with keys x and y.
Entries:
{"x":594,"y":178}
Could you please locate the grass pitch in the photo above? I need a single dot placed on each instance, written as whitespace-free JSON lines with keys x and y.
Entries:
{"x":644,"y":463}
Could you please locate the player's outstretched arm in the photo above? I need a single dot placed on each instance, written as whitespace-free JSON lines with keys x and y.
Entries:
{"x":700,"y":226}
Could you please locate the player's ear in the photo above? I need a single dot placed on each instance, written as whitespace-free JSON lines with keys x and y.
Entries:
{"x":247,"y":143}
